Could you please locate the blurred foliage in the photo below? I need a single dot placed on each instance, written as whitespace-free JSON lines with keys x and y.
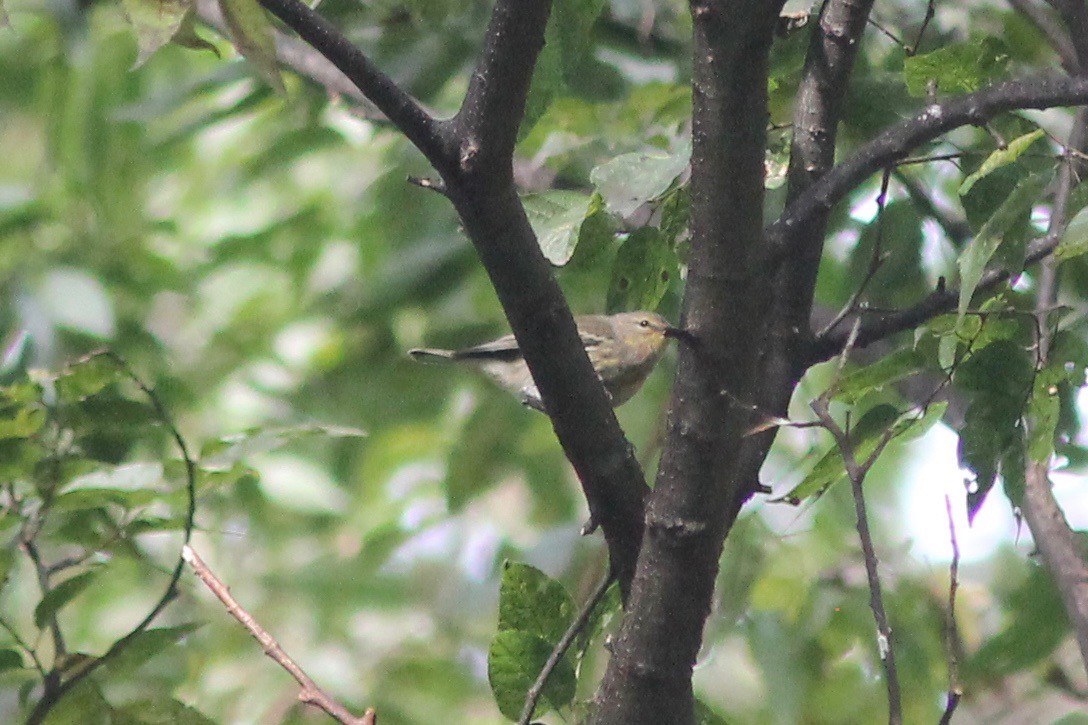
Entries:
{"x":259,"y":260}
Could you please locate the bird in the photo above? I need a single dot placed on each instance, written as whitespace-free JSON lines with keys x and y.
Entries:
{"x":623,"y":348}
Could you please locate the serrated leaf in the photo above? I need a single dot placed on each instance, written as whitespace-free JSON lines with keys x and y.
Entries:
{"x":958,"y":68}
{"x":1001,"y":157}
{"x":645,"y":266}
{"x":856,"y":384}
{"x":251,"y":32}
{"x":556,"y":218}
{"x":514,"y":661}
{"x":1075,"y":238}
{"x":154,"y":22}
{"x":60,"y":595}
{"x":531,"y":601}
{"x":631,"y":180}
{"x":978,"y":253}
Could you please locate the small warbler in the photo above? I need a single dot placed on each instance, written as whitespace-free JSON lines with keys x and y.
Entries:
{"x":623,"y":349}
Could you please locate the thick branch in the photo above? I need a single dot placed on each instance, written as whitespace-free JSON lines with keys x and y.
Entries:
{"x":1061,"y":547}
{"x":828,"y":67}
{"x":898,"y":140}
{"x":878,"y":326}
{"x":696,"y":496}
{"x":487,"y":124}
{"x":423,"y":131}
{"x":473,"y":153}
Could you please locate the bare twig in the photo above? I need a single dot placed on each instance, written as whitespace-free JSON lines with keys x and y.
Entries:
{"x":952,"y":634}
{"x":561,"y":647}
{"x":435,"y":185}
{"x":857,"y":471}
{"x":930,"y":13}
{"x":876,"y":260}
{"x":310,"y":693}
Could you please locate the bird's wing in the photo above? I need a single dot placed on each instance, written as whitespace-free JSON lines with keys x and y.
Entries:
{"x":505,"y":348}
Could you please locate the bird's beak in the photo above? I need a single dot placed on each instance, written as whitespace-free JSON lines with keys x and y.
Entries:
{"x":681,"y":334}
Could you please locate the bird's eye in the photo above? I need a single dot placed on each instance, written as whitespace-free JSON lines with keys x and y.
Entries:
{"x":643,"y":323}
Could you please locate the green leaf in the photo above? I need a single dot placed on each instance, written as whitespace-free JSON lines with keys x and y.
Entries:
{"x":1075,"y":239}
{"x":251,"y":32}
{"x":154,"y":22}
{"x":514,"y":661}
{"x":227,"y":451}
{"x":957,"y":68}
{"x":187,"y":37}
{"x":1043,"y":410}
{"x":830,"y":469}
{"x":1001,"y":369}
{"x":165,"y":711}
{"x":645,"y":266}
{"x":146,"y":645}
{"x":25,"y":423}
{"x":556,"y":218}
{"x":10,"y":659}
{"x":898,"y":232}
{"x":531,"y":601}
{"x":989,"y":429}
{"x":975,"y":258}
{"x":60,"y":595}
{"x":1001,"y":157}
{"x":1014,"y":472}
{"x":631,"y":180}
{"x":86,"y":378}
{"x":858,"y":383}
{"x":133,"y":476}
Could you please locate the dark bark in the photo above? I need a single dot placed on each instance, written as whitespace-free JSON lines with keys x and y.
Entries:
{"x":473,"y":153}
{"x":698,"y":493}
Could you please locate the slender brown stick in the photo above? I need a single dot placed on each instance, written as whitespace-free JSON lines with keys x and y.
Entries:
{"x":561,"y":647}
{"x":857,"y":471}
{"x":310,"y":693}
{"x":952,"y":633}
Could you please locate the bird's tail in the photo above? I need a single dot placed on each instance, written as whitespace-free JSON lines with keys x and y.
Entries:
{"x":431,"y":354}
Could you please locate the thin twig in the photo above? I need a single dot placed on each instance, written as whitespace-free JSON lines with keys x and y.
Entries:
{"x":952,"y":634}
{"x":930,"y":13}
{"x":310,"y":693}
{"x":561,"y":647}
{"x":423,"y":182}
{"x":876,"y":260}
{"x":857,"y":472}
